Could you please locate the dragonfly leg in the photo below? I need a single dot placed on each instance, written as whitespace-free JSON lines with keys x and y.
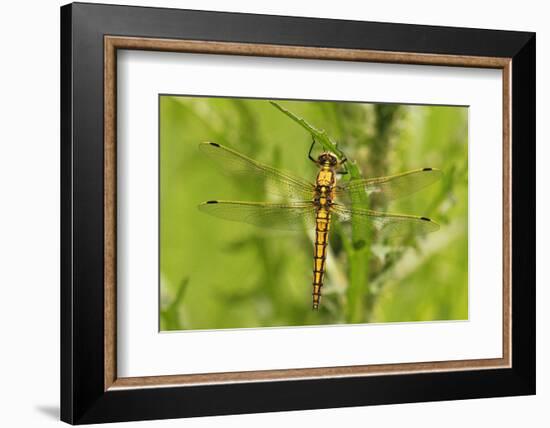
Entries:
{"x":340,"y":164}
{"x":311,"y":149}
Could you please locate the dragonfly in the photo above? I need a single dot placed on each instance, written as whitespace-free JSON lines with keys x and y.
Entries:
{"x":316,"y":204}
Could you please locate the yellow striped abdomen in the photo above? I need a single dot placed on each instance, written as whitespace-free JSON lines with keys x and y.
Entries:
{"x":323,"y":200}
{"x":322,"y":226}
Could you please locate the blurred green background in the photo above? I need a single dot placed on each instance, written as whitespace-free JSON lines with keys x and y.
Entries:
{"x":218,"y":274}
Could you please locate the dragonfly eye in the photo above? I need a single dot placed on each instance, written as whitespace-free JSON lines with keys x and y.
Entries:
{"x":328,"y":159}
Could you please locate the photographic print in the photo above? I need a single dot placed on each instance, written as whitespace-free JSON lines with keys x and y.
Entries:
{"x":325,"y":201}
{"x":293,"y":213}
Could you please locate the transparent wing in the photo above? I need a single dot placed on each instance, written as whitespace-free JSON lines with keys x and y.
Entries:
{"x":389,"y":225}
{"x":388,"y":188}
{"x":277,"y":181}
{"x":290,"y":216}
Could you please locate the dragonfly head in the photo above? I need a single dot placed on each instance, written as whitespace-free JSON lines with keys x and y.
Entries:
{"x":327,"y":159}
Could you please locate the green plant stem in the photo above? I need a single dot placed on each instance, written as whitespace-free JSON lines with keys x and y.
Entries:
{"x":358,"y":253}
{"x":320,"y":134}
{"x":358,"y":257}
{"x":170,"y":314}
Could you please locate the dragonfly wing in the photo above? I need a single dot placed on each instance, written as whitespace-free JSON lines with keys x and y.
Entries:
{"x":389,"y":225}
{"x":277,"y":181}
{"x":290,"y":216}
{"x":387,"y":188}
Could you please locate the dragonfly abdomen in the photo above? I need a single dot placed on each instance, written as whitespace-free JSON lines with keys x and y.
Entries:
{"x":322,"y":227}
{"x":324,"y":192}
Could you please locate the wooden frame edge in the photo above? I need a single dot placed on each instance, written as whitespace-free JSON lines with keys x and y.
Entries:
{"x":507,"y":213}
{"x":112,"y":43}
{"x":299,"y":374}
{"x":109,"y":198}
{"x":301,"y":52}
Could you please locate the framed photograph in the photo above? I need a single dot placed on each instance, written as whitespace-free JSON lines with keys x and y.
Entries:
{"x":265,"y":213}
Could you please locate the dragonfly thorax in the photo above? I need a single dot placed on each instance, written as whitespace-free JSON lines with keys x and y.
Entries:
{"x":324,"y":186}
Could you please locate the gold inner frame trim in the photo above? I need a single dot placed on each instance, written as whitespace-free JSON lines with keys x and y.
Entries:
{"x":113,"y":43}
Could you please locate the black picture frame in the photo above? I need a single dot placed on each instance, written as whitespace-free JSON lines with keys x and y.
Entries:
{"x":83,"y":396}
